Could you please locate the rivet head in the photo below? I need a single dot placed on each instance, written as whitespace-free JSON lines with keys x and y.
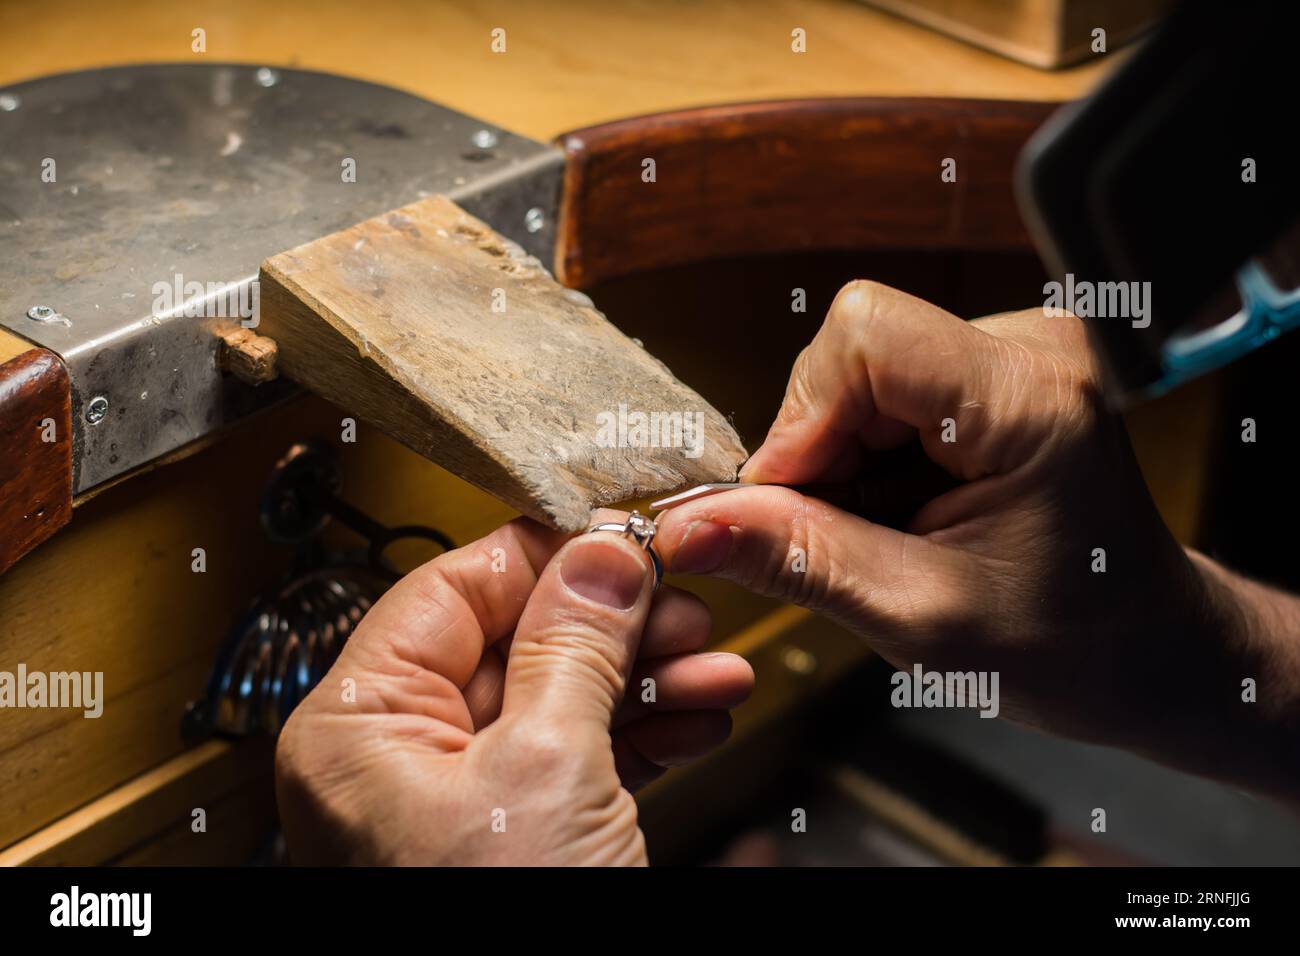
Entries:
{"x":534,"y":219}
{"x":42,"y":313}
{"x":96,"y":409}
{"x":9,"y":102}
{"x":484,"y":139}
{"x":266,"y":76}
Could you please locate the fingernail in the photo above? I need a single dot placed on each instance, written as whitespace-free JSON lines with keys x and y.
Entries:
{"x":705,"y":548}
{"x":604,"y":573}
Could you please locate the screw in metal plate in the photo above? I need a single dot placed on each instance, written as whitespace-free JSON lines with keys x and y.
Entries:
{"x":266,"y":76}
{"x":9,"y":102}
{"x":96,"y":409}
{"x":42,"y":313}
{"x":484,"y":139}
{"x":534,"y":219}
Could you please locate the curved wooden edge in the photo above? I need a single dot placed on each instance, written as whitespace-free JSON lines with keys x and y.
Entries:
{"x":846,"y":173}
{"x":140,"y":811}
{"x":35,"y":447}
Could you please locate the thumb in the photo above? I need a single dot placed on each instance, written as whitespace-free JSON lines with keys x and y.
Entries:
{"x":578,"y":636}
{"x":776,"y":542}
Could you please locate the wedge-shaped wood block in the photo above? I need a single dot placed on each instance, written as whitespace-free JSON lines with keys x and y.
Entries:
{"x":431,"y":326}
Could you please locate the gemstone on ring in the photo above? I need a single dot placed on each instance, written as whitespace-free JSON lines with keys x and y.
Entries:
{"x":642,"y":530}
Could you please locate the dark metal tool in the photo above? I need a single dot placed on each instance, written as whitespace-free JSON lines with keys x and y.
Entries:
{"x":291,"y":635}
{"x":1174,"y":182}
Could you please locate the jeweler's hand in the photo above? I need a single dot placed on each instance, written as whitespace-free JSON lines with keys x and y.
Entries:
{"x":1047,"y":563}
{"x":478,"y":714}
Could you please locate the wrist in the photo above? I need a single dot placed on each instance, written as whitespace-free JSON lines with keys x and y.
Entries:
{"x":1232,"y":707}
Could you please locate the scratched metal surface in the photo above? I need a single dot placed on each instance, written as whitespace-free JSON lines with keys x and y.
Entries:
{"x":202,"y":172}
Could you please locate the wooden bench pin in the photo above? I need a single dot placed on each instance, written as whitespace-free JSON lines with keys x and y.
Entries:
{"x":448,"y":337}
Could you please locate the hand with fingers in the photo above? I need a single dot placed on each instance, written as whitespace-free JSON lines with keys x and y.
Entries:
{"x":498,"y":705}
{"x":1046,"y":560}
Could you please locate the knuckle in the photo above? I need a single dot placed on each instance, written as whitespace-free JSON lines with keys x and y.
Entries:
{"x":425,"y":594}
{"x":552,"y":752}
{"x":699,"y":616}
{"x":772,"y":568}
{"x":1077,"y":355}
{"x":574,"y":641}
{"x":1059,"y":373}
{"x":857,"y":301}
{"x":1081,"y":385}
{"x":825,"y":582}
{"x":801,"y":390}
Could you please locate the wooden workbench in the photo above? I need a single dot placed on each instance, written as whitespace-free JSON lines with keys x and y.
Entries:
{"x":107,"y":587}
{"x":568,"y":63}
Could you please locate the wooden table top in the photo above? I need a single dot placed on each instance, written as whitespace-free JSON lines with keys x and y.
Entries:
{"x":568,"y":63}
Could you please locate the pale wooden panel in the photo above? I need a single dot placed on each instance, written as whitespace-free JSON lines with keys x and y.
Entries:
{"x":11,"y":346}
{"x":568,"y":64}
{"x":161,"y":800}
{"x":239,"y":826}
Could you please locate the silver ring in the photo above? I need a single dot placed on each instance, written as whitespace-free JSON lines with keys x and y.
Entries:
{"x":642,"y":531}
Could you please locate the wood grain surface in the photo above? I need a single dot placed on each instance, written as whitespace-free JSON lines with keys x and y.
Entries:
{"x":454,"y":341}
{"x":35,"y":473}
{"x":792,"y":175}
{"x":160,"y":801}
{"x":568,"y":63}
